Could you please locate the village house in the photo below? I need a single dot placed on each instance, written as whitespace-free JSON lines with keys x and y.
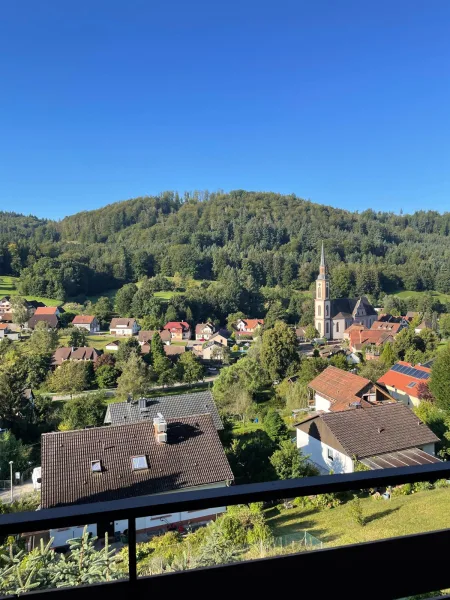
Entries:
{"x":336,"y":390}
{"x":221,"y":337}
{"x":300,"y":334}
{"x":123,"y":326}
{"x":112,"y":346}
{"x":384,"y":436}
{"x":211,"y":350}
{"x":333,"y":317}
{"x":31,"y":305}
{"x":388,"y":326}
{"x":403,"y":382}
{"x":87,"y":322}
{"x":179,"y":330}
{"x":145,"y":337}
{"x":249,"y":326}
{"x":359,"y":339}
{"x":83,"y":353}
{"x":204,"y":331}
{"x":176,"y":406}
{"x":157,"y":456}
{"x":425,"y":324}
{"x":45,"y":314}
{"x":6,"y":332}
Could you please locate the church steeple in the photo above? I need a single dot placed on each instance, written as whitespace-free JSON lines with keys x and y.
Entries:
{"x":322,"y":320}
{"x":323,"y":272}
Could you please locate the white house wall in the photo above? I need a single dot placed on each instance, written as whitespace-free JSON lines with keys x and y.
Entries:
{"x":61,"y":536}
{"x":317,"y":453}
{"x":403,"y":397}
{"x":321,"y":403}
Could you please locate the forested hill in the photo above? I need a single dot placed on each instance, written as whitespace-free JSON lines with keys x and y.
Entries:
{"x":259,"y":239}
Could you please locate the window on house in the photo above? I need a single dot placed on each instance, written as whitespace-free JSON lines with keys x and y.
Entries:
{"x":337,"y":327}
{"x":139,"y":462}
{"x":328,"y":327}
{"x":326,"y":309}
{"x":319,"y":327}
{"x":330,"y":454}
{"x":96,"y":466}
{"x":412,"y":384}
{"x":319,"y":310}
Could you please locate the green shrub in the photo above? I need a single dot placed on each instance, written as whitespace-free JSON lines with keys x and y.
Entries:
{"x":422,"y":486}
{"x":441,"y":483}
{"x":356,"y":511}
{"x":402,"y":490}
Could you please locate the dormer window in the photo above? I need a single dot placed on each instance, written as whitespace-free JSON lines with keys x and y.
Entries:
{"x":96,"y":466}
{"x":138,"y":463}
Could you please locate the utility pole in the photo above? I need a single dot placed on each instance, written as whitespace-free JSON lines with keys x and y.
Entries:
{"x":10,"y":472}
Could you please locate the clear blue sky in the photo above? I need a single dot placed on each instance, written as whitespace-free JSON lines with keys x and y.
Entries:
{"x":345,"y":102}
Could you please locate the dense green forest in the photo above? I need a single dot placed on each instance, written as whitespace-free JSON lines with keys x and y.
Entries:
{"x":246,"y":240}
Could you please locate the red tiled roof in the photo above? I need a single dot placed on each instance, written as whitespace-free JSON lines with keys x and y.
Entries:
{"x":377,"y":337}
{"x":400,"y":381}
{"x":356,"y":327}
{"x":386,"y":326}
{"x":340,"y":387}
{"x":83,"y":320}
{"x":46,"y":310}
{"x":176,"y":326}
{"x":3,"y":326}
{"x":253,"y":323}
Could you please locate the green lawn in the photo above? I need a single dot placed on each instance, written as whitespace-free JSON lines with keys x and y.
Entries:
{"x":8,"y":288}
{"x":413,"y":294}
{"x":178,"y":343}
{"x":419,"y":512}
{"x":94,"y":341}
{"x":240,"y":428}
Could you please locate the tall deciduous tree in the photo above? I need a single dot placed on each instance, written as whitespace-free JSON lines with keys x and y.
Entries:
{"x":19,"y":310}
{"x":43,"y":340}
{"x":134,"y":379}
{"x":102,"y":309}
{"x":71,"y":377}
{"x":78,"y":338}
{"x":86,"y":411}
{"x":157,"y":347}
{"x":279,"y":351}
{"x":190,"y":368}
{"x":124,"y":299}
{"x":440,"y":380}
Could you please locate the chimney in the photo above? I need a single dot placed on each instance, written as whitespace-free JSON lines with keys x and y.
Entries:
{"x":160,"y":427}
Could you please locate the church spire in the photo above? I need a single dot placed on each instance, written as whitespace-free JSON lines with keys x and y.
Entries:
{"x":323,"y":266}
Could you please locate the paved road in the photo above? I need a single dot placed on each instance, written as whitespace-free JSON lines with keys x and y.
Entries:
{"x":112,"y":391}
{"x":18,"y":490}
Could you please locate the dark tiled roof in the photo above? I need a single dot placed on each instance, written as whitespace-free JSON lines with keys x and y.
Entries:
{"x":378,"y":429}
{"x":51,"y":320}
{"x":183,"y":405}
{"x":122,"y":322}
{"x":192,"y":456}
{"x":348,"y":305}
{"x":68,"y":353}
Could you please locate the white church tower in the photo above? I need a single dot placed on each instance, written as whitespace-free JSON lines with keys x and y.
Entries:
{"x":322,"y":320}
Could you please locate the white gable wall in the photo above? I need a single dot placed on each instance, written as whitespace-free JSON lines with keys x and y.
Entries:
{"x":317,"y":452}
{"x":321,"y":403}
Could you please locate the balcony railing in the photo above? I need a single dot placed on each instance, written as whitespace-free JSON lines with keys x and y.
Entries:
{"x":389,"y":568}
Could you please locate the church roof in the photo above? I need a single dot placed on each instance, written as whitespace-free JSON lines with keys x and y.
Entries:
{"x":345,"y":307}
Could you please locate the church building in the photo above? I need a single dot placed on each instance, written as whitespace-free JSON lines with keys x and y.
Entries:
{"x":332,"y":317}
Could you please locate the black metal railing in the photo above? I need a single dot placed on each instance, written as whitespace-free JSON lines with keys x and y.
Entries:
{"x":388,"y":568}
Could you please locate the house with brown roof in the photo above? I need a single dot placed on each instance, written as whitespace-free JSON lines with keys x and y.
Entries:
{"x":403,"y":382}
{"x":83,"y":353}
{"x":50,"y":319}
{"x":335,"y":390}
{"x":87,"y":322}
{"x":112,"y":346}
{"x":204,"y":331}
{"x":388,"y":326}
{"x":123,"y":326}
{"x":383,"y":436}
{"x":426,"y":324}
{"x":145,"y":337}
{"x":179,"y":330}
{"x":300,"y":333}
{"x":6,"y":332}
{"x":155,"y":456}
{"x":369,"y":337}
